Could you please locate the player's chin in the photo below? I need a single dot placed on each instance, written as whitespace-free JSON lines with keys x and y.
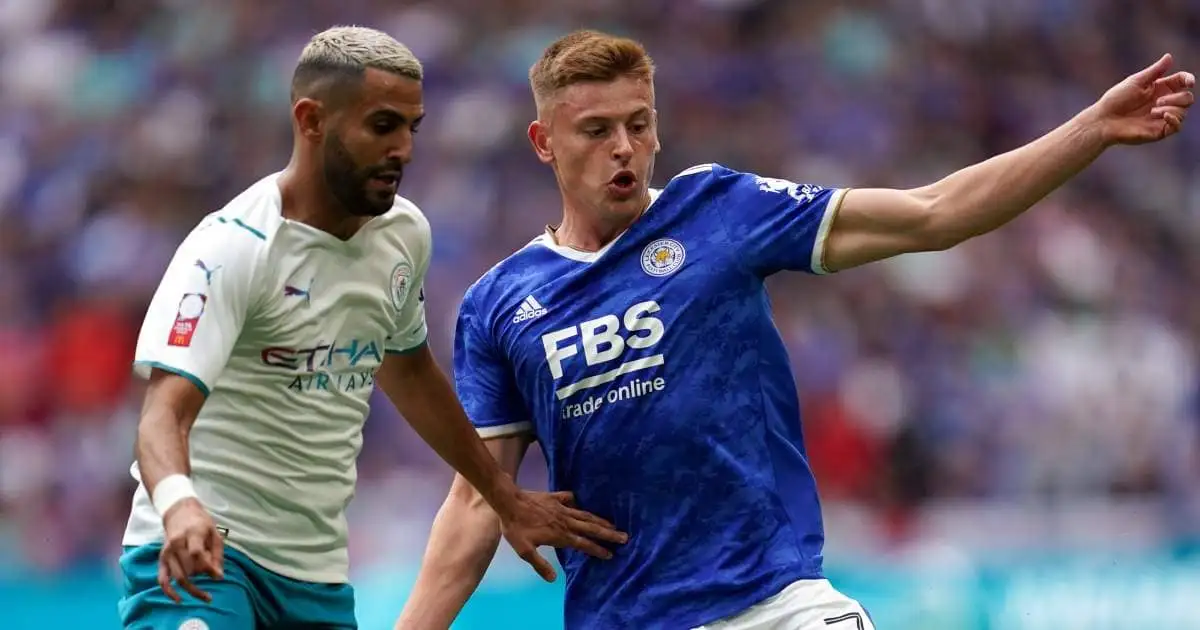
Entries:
{"x":378,"y":202}
{"x":624,"y":204}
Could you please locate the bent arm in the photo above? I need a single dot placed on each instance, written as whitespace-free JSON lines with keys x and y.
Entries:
{"x":874,"y":224}
{"x":171,"y":405}
{"x":462,"y":543}
{"x":419,"y":389}
{"x":187,"y":336}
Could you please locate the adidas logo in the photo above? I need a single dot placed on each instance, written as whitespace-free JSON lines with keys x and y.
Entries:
{"x":530,"y":309}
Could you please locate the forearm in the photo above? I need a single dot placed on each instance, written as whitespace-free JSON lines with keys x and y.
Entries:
{"x":985,"y":196}
{"x":162,"y":446}
{"x":426,"y":400}
{"x":462,"y":543}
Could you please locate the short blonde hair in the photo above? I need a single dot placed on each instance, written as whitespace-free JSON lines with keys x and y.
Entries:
{"x":346,"y":52}
{"x":587,"y":56}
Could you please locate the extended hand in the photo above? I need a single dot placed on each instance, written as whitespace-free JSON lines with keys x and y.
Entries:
{"x":540,"y":518}
{"x":1147,"y":106}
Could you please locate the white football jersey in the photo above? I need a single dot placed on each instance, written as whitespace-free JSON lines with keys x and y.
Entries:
{"x":283,"y":326}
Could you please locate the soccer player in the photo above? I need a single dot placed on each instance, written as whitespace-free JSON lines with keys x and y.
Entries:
{"x":634,"y":342}
{"x":275,"y":320}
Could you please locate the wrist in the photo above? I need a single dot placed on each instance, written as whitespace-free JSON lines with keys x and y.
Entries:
{"x":170,"y":491}
{"x":1092,"y":126}
{"x":502,"y":495}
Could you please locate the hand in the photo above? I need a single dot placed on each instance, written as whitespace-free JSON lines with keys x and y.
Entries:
{"x":191,"y":546}
{"x":1147,"y":106}
{"x":540,"y":518}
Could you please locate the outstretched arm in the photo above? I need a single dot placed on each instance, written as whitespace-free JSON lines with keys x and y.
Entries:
{"x":873,"y":224}
{"x":463,"y":541}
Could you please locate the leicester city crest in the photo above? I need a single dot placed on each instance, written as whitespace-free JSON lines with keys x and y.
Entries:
{"x":401,"y":279}
{"x":663,"y":257}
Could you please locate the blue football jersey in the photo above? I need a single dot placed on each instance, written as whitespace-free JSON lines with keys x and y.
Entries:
{"x":653,"y":377}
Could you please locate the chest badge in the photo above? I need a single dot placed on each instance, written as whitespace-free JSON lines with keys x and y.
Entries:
{"x":663,"y":257}
{"x":401,"y":279}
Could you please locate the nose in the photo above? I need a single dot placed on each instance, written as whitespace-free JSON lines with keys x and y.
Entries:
{"x":400,"y":148}
{"x":400,"y":153}
{"x":622,"y":149}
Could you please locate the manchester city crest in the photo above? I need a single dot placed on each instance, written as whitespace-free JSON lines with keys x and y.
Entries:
{"x":663,"y":257}
{"x":401,"y":279}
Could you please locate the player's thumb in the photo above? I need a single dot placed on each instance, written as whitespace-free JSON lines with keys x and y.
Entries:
{"x":542,"y":567}
{"x":1149,"y":74}
{"x":564,"y":497}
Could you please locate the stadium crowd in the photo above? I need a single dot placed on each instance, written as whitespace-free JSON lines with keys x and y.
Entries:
{"x":1056,"y":358}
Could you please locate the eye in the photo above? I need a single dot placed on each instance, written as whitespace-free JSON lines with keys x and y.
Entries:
{"x":383,"y":127}
{"x":639,"y":127}
{"x":595,"y":132}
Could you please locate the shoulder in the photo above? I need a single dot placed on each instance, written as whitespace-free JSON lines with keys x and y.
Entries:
{"x":516,"y":273}
{"x":716,"y":180}
{"x":407,"y":218}
{"x":405,"y":225}
{"x":697,"y":173}
{"x":239,"y":234}
{"x":702,"y":182}
{"x":706,"y":176}
{"x":253,"y":217}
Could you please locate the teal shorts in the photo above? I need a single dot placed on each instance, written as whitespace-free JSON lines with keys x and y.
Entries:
{"x":249,"y":598}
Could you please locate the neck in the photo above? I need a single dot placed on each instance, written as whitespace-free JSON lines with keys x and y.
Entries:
{"x":591,"y":231}
{"x":306,"y":199}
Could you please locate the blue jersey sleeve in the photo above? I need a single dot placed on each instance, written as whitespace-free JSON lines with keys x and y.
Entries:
{"x":484,"y":380}
{"x":775,"y":224}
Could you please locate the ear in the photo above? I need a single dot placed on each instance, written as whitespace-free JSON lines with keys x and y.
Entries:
{"x":657,"y":142}
{"x":539,"y":137}
{"x":309,"y":117}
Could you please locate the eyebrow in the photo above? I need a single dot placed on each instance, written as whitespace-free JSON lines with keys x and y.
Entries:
{"x":387,"y":112}
{"x":641,"y":111}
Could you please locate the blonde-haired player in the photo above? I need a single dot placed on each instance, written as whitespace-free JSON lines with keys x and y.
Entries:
{"x":275,"y":320}
{"x":651,"y":372}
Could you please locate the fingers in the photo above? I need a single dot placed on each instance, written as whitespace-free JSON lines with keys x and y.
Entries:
{"x":179,"y":561}
{"x":1174,"y":122}
{"x":1177,"y":82}
{"x":568,"y":499}
{"x":599,"y":532}
{"x":1183,"y":98}
{"x":216,"y":549}
{"x":1149,"y":74}
{"x":586,"y":545}
{"x":564,"y":497}
{"x":1169,"y":113}
{"x":540,"y":565}
{"x":589,"y":517}
{"x":194,"y":590}
{"x":199,"y":560}
{"x":177,"y":572}
{"x":164,"y":581}
{"x":182,"y":566}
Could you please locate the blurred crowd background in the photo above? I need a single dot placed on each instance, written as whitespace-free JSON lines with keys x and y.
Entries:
{"x":1030,"y":394}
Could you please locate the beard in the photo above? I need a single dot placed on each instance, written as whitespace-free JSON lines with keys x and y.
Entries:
{"x":351,"y":185}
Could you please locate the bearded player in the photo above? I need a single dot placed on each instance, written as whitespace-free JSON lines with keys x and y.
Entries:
{"x":275,"y":320}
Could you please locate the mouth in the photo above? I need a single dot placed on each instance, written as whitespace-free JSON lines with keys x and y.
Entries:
{"x":623,"y":182}
{"x":387,"y":179}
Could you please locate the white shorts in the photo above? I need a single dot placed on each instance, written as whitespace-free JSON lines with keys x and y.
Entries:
{"x":803,"y":605}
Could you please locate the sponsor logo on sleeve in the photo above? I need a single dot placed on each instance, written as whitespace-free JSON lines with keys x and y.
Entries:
{"x":187,"y":317}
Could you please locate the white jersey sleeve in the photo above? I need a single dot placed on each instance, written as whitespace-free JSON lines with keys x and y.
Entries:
{"x":200,"y":306}
{"x":408,"y":283}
